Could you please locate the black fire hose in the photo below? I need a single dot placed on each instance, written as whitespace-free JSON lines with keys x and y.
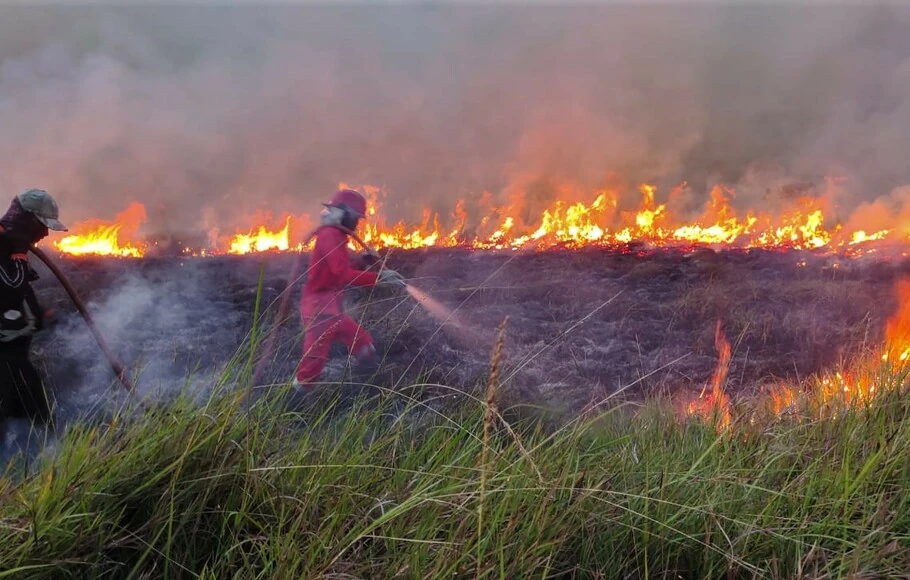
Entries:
{"x":286,"y":297}
{"x":115,"y":364}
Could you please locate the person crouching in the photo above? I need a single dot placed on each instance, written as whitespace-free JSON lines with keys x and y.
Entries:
{"x":322,"y":302}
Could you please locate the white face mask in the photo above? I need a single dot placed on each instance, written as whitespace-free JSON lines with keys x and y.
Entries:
{"x":331,"y":216}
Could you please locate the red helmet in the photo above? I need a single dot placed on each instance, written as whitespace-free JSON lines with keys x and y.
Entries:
{"x":351,"y":201}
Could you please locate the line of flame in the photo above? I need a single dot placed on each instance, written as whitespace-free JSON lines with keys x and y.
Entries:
{"x":565,"y":225}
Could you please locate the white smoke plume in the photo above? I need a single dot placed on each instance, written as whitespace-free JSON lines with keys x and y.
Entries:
{"x":170,"y":327}
{"x":206,"y":114}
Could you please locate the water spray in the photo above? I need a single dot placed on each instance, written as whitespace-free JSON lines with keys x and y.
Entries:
{"x":442,"y":313}
{"x":77,"y":301}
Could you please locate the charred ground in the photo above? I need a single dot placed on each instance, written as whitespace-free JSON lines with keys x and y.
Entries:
{"x":581,"y":324}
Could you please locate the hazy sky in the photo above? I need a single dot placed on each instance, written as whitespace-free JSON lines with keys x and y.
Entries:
{"x":195,"y":109}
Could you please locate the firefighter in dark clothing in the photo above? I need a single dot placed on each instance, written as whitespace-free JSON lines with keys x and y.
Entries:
{"x":22,"y":395}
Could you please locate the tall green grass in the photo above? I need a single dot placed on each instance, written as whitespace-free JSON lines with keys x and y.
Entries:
{"x":222,"y":492}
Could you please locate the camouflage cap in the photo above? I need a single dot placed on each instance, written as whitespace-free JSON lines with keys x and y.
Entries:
{"x":42,"y":205}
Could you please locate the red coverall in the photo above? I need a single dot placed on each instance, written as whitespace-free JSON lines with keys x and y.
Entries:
{"x":321,"y":306}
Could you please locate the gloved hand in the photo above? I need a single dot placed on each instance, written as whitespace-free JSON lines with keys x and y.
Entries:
{"x":391,"y":278}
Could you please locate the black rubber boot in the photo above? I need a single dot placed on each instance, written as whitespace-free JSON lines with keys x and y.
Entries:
{"x":366,"y":363}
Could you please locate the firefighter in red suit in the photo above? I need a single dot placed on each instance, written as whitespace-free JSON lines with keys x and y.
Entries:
{"x":330,"y":272}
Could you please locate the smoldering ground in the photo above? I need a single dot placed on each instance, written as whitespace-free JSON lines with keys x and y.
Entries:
{"x":207,"y":114}
{"x":582,"y":325}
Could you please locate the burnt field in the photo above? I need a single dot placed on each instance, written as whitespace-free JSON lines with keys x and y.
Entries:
{"x":581,"y":324}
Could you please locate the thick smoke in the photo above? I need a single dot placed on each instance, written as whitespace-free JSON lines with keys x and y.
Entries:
{"x":207,"y":114}
{"x":170,"y":327}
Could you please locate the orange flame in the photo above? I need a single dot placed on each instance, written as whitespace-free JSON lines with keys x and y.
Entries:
{"x":261,"y":240}
{"x":104,"y":239}
{"x":561,"y":223}
{"x":857,"y":383}
{"x":782,"y":397}
{"x":848,"y":387}
{"x":716,"y":404}
{"x":897,"y":330}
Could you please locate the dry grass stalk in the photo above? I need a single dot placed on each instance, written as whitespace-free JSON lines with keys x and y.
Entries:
{"x":489,"y":417}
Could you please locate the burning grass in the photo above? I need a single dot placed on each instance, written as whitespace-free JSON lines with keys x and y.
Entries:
{"x":803,"y":222}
